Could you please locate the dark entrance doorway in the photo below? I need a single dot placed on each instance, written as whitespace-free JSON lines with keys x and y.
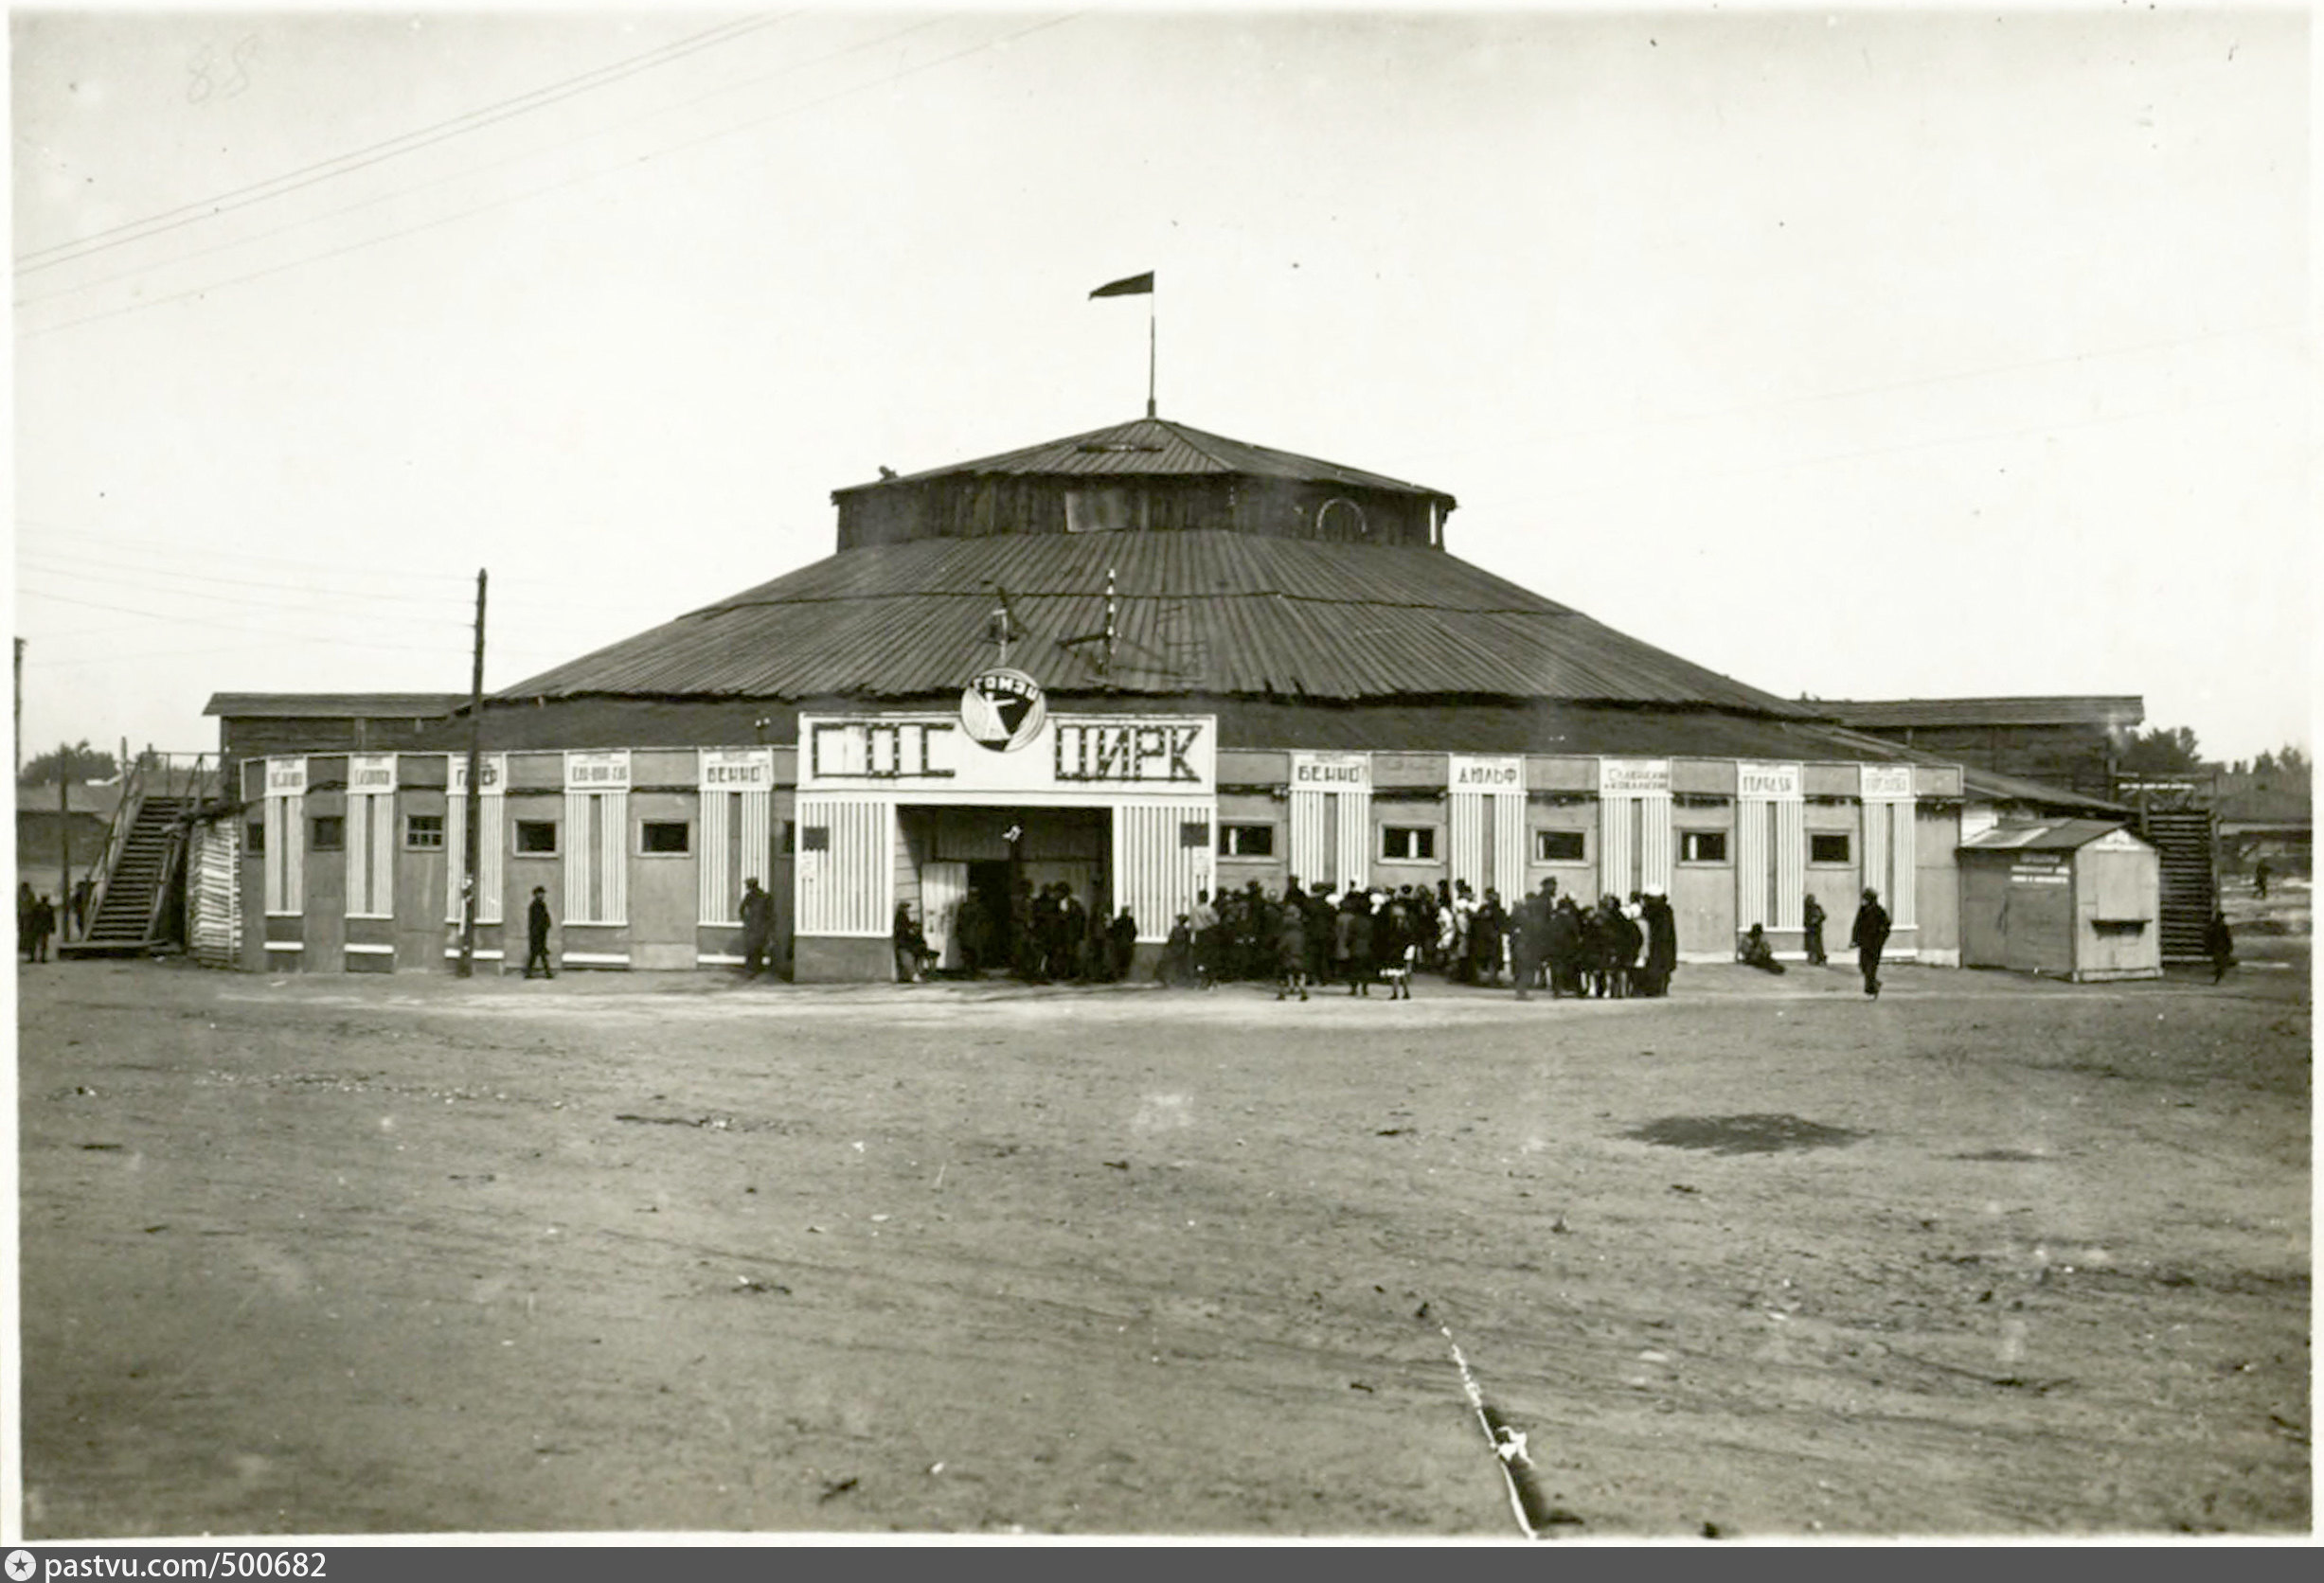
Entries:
{"x":989,"y":882}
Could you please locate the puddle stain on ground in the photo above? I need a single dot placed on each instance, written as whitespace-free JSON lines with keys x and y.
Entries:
{"x":1749,"y":1134}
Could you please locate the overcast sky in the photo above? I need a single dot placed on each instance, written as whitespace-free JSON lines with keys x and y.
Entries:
{"x":1859,"y":354}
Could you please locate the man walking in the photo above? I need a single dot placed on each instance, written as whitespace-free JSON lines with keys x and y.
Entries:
{"x":2219,"y":945}
{"x":1869,"y":937}
{"x":536,"y":933}
{"x":757,"y":927}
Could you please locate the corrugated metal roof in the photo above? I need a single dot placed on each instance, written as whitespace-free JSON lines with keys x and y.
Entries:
{"x":2053,"y":835}
{"x":1210,"y":612}
{"x":375,"y":706}
{"x":1150,"y":447}
{"x":1882,"y":716}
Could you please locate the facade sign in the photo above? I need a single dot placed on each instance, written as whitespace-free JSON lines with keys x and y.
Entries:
{"x":371,"y":772}
{"x":491,"y":774}
{"x":1632,"y":777}
{"x":1887,"y":782}
{"x":1003,"y":709}
{"x":1467,"y":773}
{"x":1331,"y":772}
{"x":598,"y":772}
{"x":286,"y":778}
{"x":738,"y":769}
{"x":2039,"y":868}
{"x":1773,"y":782}
{"x":1067,"y":758}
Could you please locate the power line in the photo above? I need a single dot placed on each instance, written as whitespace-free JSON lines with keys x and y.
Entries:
{"x":208,"y":552}
{"x":223,"y":626}
{"x":65,"y":568}
{"x":292,"y":181}
{"x":470,"y":171}
{"x":542,"y":191}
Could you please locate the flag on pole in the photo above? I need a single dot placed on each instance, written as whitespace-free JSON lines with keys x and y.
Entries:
{"x":1132,"y":285}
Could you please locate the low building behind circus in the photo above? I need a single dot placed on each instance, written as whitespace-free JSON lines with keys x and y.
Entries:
{"x":1146,"y":662}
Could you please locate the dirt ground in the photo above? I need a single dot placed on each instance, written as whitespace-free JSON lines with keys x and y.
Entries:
{"x":663,"y":1253}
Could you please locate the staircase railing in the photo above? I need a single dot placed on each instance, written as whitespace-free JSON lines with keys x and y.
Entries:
{"x":190,"y":777}
{"x":117,"y":836}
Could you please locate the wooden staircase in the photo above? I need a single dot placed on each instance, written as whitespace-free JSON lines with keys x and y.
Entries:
{"x":2183,"y":837}
{"x":137,"y":905}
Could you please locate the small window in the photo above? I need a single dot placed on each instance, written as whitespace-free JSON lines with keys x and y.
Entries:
{"x":1246,"y":840}
{"x":1556,"y":846}
{"x":424,"y":832}
{"x":1828,"y":848}
{"x":257,"y":838}
{"x":1702,"y":846}
{"x":327,"y":833}
{"x":664,"y":837}
{"x":1408,"y":843}
{"x":536,"y":838}
{"x":815,"y":838}
{"x":791,"y":837}
{"x":1194,"y":835}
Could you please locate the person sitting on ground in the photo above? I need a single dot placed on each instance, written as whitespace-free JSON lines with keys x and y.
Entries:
{"x":1755,"y":952}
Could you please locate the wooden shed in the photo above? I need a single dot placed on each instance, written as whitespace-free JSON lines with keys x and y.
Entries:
{"x":2075,"y":898}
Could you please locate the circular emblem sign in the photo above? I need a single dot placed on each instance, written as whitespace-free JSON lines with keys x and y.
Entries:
{"x":1003,"y":708}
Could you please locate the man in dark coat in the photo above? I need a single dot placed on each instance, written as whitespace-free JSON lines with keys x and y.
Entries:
{"x":1121,"y":944}
{"x":1661,"y":943}
{"x":757,"y":927}
{"x":1812,"y":920}
{"x":1870,"y":936}
{"x":1485,"y":936}
{"x":1529,"y":937}
{"x":2219,"y":945}
{"x":44,"y":925}
{"x":536,"y":933}
{"x":1564,"y":948}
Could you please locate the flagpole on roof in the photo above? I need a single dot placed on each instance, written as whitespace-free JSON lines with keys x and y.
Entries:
{"x":1138,"y":285}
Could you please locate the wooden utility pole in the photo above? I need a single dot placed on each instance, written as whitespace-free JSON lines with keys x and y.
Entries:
{"x":20,"y":708}
{"x":64,"y":839}
{"x":469,"y":833}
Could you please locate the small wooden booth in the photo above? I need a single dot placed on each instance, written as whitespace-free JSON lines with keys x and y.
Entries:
{"x":2073,"y":899}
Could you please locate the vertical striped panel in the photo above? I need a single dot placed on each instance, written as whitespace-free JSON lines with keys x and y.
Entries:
{"x":1355,"y":840}
{"x":1615,"y":823}
{"x":580,"y":857}
{"x":1790,"y":863}
{"x":757,"y":848}
{"x":1508,"y":853}
{"x":1155,"y":875}
{"x":613,"y":849}
{"x":276,"y":850}
{"x":455,"y":855}
{"x":355,"y":855}
{"x":716,"y":882}
{"x":1467,"y":857}
{"x":846,"y":888}
{"x":370,"y":855}
{"x":1875,"y":860}
{"x":1902,"y":874}
{"x":214,"y":893}
{"x":1654,"y":842}
{"x":491,"y":854}
{"x":1751,"y":858}
{"x":1306,"y":855}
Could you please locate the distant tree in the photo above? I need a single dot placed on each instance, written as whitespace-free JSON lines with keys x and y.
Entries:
{"x":2164,"y":751}
{"x":79,"y":761}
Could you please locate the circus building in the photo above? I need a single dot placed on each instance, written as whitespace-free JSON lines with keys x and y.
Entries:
{"x":1144,"y":661}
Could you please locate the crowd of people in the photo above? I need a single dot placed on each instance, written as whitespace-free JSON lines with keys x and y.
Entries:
{"x":1303,"y":941}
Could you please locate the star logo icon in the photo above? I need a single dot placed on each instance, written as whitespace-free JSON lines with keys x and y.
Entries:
{"x":20,"y":1565}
